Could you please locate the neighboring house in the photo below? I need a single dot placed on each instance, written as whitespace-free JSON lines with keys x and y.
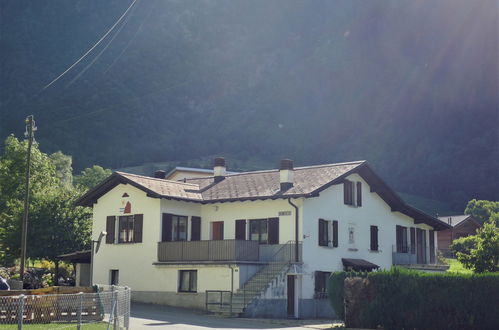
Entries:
{"x":269,"y":239}
{"x":81,"y":264}
{"x":181,"y":173}
{"x":461,"y":226}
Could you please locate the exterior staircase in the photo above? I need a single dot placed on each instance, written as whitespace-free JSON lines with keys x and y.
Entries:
{"x":252,"y":289}
{"x":236,"y":303}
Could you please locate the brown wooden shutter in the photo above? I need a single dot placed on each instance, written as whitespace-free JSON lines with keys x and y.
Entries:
{"x":432,"y":246}
{"x":398,"y":235}
{"x":322,"y":231}
{"x":110,"y":229}
{"x":138,"y":221}
{"x":274,"y":231}
{"x":374,"y":238}
{"x":335,"y":233}
{"x":359,"y":193}
{"x":346,"y":193}
{"x":195,"y":228}
{"x":241,"y":229}
{"x":166,"y":230}
{"x":413,"y":240}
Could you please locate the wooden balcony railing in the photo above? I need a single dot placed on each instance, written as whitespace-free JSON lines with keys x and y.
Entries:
{"x":223,"y":250}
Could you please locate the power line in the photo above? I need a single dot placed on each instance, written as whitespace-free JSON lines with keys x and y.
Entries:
{"x":92,"y":48}
{"x":100,"y":53}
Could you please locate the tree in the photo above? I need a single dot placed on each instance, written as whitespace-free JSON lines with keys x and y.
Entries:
{"x":91,"y":176}
{"x":480,"y":252}
{"x":55,"y":226}
{"x":63,"y":168}
{"x":481,"y":210}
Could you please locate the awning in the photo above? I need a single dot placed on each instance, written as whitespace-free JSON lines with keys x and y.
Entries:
{"x":358,"y":264}
{"x":81,"y":257}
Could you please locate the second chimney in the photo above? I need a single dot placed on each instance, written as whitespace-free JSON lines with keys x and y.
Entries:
{"x":160,"y":174}
{"x":286,"y":174}
{"x":219,"y":169}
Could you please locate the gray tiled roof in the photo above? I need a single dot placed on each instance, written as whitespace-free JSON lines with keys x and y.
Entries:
{"x":166,"y":188}
{"x":265,"y":184}
{"x":248,"y":185}
{"x":455,"y":219}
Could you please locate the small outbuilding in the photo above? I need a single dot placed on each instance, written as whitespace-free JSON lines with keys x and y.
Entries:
{"x":462,"y":226}
{"x":81,"y":262}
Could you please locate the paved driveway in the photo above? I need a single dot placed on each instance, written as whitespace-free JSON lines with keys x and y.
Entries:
{"x":148,"y":316}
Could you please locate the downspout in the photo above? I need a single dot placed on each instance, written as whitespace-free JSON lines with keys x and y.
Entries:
{"x":297,"y":257}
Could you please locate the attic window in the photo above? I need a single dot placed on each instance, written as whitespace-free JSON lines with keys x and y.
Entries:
{"x":352,"y":193}
{"x":125,"y":195}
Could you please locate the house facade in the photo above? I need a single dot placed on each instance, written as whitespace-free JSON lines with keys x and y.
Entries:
{"x":256,"y":243}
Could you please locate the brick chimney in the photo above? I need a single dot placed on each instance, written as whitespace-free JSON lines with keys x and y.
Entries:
{"x":219,"y":169}
{"x":286,"y":174}
{"x":160,"y":174}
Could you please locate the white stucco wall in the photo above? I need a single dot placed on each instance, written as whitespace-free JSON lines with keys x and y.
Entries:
{"x":330,"y":206}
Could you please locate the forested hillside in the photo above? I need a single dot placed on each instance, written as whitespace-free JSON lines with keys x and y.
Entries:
{"x":411,"y":86}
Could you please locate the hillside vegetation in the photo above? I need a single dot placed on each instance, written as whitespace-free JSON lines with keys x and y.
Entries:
{"x":410,"y":86}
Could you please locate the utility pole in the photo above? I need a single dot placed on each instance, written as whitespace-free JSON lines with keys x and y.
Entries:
{"x":30,"y":129}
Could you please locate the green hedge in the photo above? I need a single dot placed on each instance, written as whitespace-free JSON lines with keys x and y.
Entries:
{"x":415,"y":300}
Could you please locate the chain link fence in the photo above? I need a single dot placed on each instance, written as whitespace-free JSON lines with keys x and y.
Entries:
{"x":108,"y":308}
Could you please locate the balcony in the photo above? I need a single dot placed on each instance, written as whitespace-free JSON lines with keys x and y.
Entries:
{"x":223,"y":250}
{"x":417,"y":257}
{"x":227,"y":250}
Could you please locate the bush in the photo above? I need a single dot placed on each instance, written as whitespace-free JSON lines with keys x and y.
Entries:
{"x":415,"y":300}
{"x":336,"y":290}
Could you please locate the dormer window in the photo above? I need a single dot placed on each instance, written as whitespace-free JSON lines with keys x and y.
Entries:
{"x":352,"y":193}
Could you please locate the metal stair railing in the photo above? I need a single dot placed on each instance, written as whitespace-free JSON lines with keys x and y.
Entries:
{"x":280,"y":260}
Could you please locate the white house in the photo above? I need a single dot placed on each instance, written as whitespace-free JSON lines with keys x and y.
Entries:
{"x":264,"y":242}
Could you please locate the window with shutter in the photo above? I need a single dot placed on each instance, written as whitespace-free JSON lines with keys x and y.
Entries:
{"x":137,"y":227}
{"x":374,"y":238}
{"x":195,"y":228}
{"x":241,"y":229}
{"x":335,"y":233}
{"x":359,"y":193}
{"x":347,"y":192}
{"x":110,"y":229}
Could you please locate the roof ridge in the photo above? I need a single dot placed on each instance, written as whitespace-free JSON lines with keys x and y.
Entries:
{"x":276,"y":170}
{"x":156,"y":179}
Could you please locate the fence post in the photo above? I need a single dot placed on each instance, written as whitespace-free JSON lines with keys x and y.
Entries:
{"x":115,"y":298}
{"x":20,"y":312}
{"x":80,"y":308}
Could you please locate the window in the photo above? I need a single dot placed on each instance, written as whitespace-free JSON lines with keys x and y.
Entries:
{"x":241,"y":229}
{"x":265,"y":231}
{"x":328,"y":233}
{"x":259,"y":230}
{"x":401,"y":238}
{"x":129,"y":229}
{"x":114,"y":277}
{"x":321,"y":280}
{"x":125,"y":229}
{"x":174,"y":228}
{"x":374,"y":238}
{"x":188,"y":280}
{"x":352,"y":193}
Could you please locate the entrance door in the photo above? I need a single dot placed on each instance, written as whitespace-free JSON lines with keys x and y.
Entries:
{"x":217,"y":230}
{"x":291,"y":295}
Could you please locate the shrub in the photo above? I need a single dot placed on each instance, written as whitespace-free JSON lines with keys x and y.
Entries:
{"x":336,"y":290}
{"x":406,"y":299}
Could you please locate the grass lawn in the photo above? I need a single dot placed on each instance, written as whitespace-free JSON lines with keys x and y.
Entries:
{"x":457,"y":267}
{"x":88,"y":326}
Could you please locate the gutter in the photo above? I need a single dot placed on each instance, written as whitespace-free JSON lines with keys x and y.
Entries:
{"x":297,"y":257}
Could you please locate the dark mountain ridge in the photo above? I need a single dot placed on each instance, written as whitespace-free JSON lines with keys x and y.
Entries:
{"x":409,"y":86}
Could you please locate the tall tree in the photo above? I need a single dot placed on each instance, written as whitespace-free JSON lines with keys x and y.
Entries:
{"x":91,"y":176}
{"x":482,"y":210}
{"x":63,"y":168}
